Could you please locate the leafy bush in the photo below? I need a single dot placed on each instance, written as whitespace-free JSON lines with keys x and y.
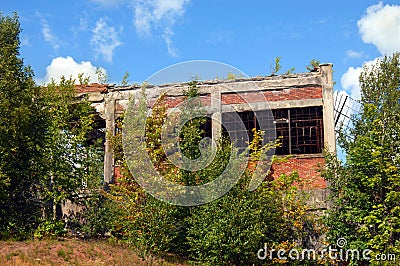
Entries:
{"x":97,"y":218}
{"x":50,"y":229}
{"x":161,"y":228}
{"x":232,"y":229}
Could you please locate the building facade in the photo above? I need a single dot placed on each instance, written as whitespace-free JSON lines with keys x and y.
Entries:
{"x":302,"y":106}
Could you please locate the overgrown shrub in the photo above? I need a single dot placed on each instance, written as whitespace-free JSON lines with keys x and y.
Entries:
{"x":96,"y":219}
{"x":227,"y":231}
{"x":230,"y":230}
{"x":50,"y":229}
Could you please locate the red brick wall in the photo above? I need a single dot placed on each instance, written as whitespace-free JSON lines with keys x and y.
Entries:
{"x":175,"y":101}
{"x":307,"y":168}
{"x":301,"y":93}
{"x":274,"y":95}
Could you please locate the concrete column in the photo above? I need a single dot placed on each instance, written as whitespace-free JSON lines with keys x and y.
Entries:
{"x":328,"y":107}
{"x":216,"y":115}
{"x":109,"y":112}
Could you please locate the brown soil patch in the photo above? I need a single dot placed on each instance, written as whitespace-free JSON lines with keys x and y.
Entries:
{"x":71,"y":252}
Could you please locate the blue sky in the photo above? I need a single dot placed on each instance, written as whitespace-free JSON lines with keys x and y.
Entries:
{"x":144,"y":36}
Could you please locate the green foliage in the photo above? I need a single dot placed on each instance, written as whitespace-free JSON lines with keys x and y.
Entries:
{"x":83,"y":80}
{"x":97,"y":217}
{"x":191,"y":133}
{"x":231,"y":76}
{"x":161,"y":228}
{"x":290,"y":71}
{"x":230,"y":230}
{"x":4,"y":187}
{"x":22,"y":136}
{"x":44,"y":143}
{"x":313,"y":64}
{"x":125,"y":80}
{"x":366,"y":187}
{"x":50,"y":229}
{"x":255,"y":145}
{"x":72,"y":163}
{"x":276,"y":66}
{"x":154,"y":125}
{"x":102,"y":76}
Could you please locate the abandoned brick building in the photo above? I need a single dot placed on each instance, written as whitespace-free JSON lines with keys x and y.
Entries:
{"x":302,"y":106}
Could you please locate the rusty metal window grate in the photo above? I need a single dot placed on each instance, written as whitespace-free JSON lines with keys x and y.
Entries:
{"x":306,"y":130}
{"x":346,"y":110}
{"x":300,"y":130}
{"x":233,"y":126}
{"x":241,"y":125}
{"x":282,"y":127}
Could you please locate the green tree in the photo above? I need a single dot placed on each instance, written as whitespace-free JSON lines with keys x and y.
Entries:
{"x":46,"y":150}
{"x":73,"y":161}
{"x":366,"y":187}
{"x":22,"y":136}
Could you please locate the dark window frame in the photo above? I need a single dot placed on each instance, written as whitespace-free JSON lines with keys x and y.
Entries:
{"x":300,"y":130}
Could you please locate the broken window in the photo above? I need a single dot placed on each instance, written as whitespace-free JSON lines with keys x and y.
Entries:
{"x":239,"y":126}
{"x":206,"y":127}
{"x":306,"y":130}
{"x":300,"y":130}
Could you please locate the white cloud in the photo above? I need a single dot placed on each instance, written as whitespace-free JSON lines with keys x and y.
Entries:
{"x":109,"y":3}
{"x":153,"y":13}
{"x":67,"y":67}
{"x":105,"y":39}
{"x":354,"y":54}
{"x":168,"y":41}
{"x":350,"y":83}
{"x":171,"y":8}
{"x":350,"y":80}
{"x":83,"y":24}
{"x":143,"y":18}
{"x":381,"y":27}
{"x":25,"y":41}
{"x":158,"y":15}
{"x":153,"y":17}
{"x":49,"y":36}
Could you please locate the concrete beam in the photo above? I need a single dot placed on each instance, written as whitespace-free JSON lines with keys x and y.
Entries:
{"x":109,"y":112}
{"x":328,"y":105}
{"x":216,"y":115}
